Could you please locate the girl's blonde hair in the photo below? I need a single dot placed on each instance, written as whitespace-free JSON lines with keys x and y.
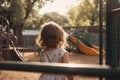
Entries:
{"x":52,"y":36}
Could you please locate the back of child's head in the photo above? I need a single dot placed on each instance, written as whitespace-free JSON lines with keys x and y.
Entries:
{"x":52,"y":35}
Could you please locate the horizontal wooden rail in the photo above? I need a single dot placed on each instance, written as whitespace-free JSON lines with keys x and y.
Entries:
{"x":63,"y":68}
{"x":20,"y":49}
{"x":116,"y":10}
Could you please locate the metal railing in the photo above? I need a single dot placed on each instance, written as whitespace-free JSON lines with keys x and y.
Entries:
{"x":63,"y":68}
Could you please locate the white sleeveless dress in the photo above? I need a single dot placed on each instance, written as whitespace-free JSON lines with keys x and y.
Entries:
{"x":53,"y":56}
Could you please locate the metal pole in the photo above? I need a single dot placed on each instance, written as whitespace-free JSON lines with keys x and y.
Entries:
{"x":101,"y":36}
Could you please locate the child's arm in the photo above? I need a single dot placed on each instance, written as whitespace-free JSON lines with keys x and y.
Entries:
{"x":65,"y":59}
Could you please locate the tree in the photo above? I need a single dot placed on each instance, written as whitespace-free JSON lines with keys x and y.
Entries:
{"x":72,"y":15}
{"x":56,"y":17}
{"x":20,"y":13}
{"x":86,"y":13}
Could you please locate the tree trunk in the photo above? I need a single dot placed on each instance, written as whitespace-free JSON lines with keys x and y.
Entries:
{"x":18,"y":33}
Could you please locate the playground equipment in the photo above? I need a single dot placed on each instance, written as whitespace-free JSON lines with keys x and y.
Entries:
{"x":6,"y":39}
{"x":84,"y":46}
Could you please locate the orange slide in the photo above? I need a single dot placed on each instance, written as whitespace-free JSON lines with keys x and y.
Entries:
{"x":94,"y":50}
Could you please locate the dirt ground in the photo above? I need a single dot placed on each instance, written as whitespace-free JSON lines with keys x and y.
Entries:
{"x":74,"y":58}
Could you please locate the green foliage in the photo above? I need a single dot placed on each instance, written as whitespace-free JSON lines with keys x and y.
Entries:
{"x":56,"y":17}
{"x":86,"y":13}
{"x":72,"y":15}
{"x":17,"y":13}
{"x":23,"y":12}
